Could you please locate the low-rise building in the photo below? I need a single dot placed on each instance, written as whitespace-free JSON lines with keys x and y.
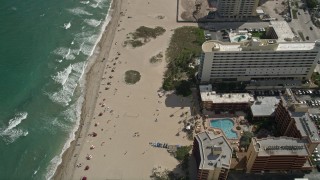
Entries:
{"x":264,"y":107}
{"x":213,"y":156}
{"x":277,"y":154}
{"x":210,"y":100}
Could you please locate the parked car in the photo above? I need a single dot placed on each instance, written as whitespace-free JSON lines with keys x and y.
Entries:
{"x":311,"y":28}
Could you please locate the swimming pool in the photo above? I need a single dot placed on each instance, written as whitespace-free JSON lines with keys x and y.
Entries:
{"x":238,"y":38}
{"x":226,"y":126}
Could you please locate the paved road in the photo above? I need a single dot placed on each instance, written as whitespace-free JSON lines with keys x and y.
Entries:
{"x":303,"y":24}
{"x":314,"y":175}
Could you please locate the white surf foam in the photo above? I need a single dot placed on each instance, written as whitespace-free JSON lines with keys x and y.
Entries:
{"x":16,"y":120}
{"x":99,"y":3}
{"x":93,"y":22}
{"x":36,"y":171}
{"x":61,"y":51}
{"x":79,"y":11}
{"x":11,"y":133}
{"x":54,"y":163}
{"x":61,"y":125}
{"x":84,"y":2}
{"x":64,"y":95}
{"x":67,"y":25}
{"x":80,"y":49}
{"x":65,"y":53}
{"x":89,"y":45}
{"x":62,"y":76}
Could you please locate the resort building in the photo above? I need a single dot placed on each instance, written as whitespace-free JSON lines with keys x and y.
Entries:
{"x":210,"y":100}
{"x":264,"y":107}
{"x":237,"y":9}
{"x":247,"y":58}
{"x":257,"y":59}
{"x":277,"y":154}
{"x":213,"y":156}
{"x":293,"y":120}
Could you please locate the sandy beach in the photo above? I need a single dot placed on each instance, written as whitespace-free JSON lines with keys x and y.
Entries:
{"x":126,"y":117}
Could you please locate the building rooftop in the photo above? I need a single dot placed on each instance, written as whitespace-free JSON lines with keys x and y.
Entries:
{"x":295,"y":46}
{"x":215,"y":151}
{"x":305,"y":125}
{"x":264,"y":106}
{"x":214,"y":45}
{"x":282,"y":30}
{"x":280,"y":146}
{"x":208,"y":95}
{"x":258,"y":45}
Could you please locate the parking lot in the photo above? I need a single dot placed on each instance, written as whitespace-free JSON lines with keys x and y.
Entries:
{"x":309,"y":97}
{"x":305,"y":26}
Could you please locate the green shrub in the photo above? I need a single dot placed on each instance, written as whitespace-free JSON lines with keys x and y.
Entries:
{"x":182,"y":152}
{"x":245,"y":139}
{"x":167,"y":84}
{"x":312,"y":3}
{"x":142,"y":35}
{"x":183,"y":88}
{"x":184,"y":46}
{"x":146,"y":32}
{"x":156,"y":58}
{"x":132,"y":77}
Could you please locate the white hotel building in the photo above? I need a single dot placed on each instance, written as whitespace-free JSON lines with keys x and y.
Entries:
{"x":258,"y":59}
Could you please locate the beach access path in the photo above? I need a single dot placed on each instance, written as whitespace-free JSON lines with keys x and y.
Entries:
{"x":124,"y":116}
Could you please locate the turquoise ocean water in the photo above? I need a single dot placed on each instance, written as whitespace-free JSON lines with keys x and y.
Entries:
{"x":44,"y":47}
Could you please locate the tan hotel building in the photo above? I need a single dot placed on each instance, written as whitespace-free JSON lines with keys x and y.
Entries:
{"x":237,"y":8}
{"x":274,"y":154}
{"x":213,"y":156}
{"x":293,"y":120}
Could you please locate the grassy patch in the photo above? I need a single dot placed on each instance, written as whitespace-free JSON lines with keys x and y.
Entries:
{"x":264,"y":124}
{"x":132,"y":77}
{"x":312,"y":3}
{"x":261,"y":35}
{"x":184,"y":46}
{"x":245,"y":139}
{"x":134,"y":43}
{"x":157,"y":58}
{"x":142,"y":35}
{"x":301,"y":35}
{"x":294,"y":14}
{"x":316,"y":78}
{"x":183,"y":152}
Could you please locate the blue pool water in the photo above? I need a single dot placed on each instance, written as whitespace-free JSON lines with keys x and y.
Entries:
{"x":226,"y":126}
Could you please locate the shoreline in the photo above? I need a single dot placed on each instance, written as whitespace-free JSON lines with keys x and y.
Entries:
{"x":94,"y":69}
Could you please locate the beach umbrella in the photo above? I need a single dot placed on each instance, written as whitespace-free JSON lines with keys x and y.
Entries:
{"x":84,"y":178}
